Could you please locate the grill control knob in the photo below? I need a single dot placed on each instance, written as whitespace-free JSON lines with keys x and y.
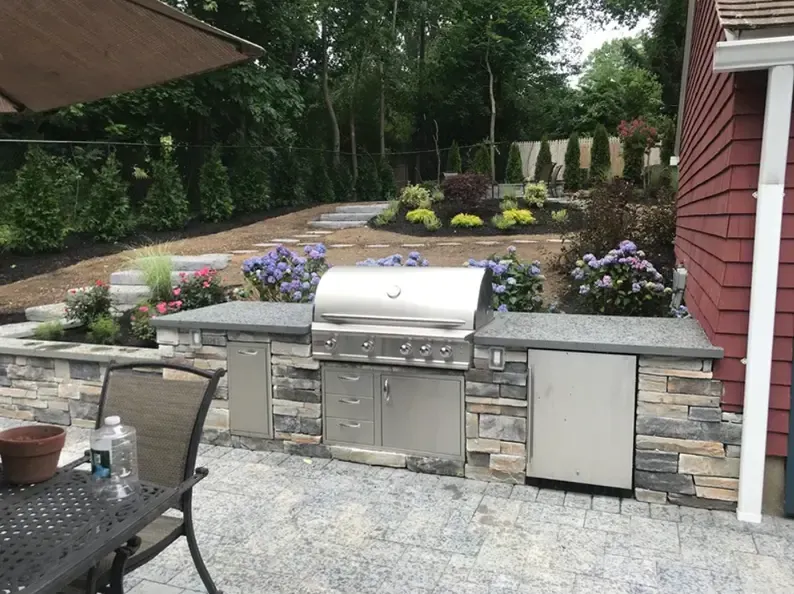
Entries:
{"x":425,"y":350}
{"x":445,"y":352}
{"x":406,"y":348}
{"x":330,"y":344}
{"x":367,"y":346}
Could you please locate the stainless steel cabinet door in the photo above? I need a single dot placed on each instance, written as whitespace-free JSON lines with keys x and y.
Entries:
{"x":249,"y":388}
{"x":422,"y":414}
{"x":582,"y":417}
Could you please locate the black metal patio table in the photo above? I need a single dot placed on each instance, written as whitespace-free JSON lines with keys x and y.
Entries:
{"x":54,"y":532}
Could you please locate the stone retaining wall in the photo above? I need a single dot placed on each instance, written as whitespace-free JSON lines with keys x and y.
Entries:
{"x":687,"y":448}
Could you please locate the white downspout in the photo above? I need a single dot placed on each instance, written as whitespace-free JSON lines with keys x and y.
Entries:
{"x":763,"y":292}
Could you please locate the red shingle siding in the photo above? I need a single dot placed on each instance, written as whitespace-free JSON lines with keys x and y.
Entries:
{"x":720,"y":153}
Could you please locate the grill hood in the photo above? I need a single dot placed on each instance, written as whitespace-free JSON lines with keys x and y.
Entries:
{"x":427,"y":298}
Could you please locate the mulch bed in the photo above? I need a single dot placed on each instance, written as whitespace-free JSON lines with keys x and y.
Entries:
{"x":79,"y":247}
{"x":485,"y":210}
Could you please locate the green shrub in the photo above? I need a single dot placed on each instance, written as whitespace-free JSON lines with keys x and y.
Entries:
{"x":319,"y":187}
{"x":343,"y":183}
{"x":40,"y":190}
{"x":454,"y":162}
{"x":519,"y":216}
{"x":573,"y":174}
{"x":286,"y":187}
{"x":86,"y":305}
{"x":514,"y":173}
{"x":248,"y":180}
{"x":141,"y":322}
{"x":560,"y":217}
{"x":107,"y":216}
{"x":415,"y":197}
{"x":419,"y":215}
{"x":466,"y":220}
{"x":155,"y":263}
{"x":436,"y":196}
{"x":432,"y":223}
{"x":199,"y":289}
{"x":165,"y":206}
{"x":502,"y":222}
{"x":600,"y":159}
{"x":508,"y":204}
{"x":216,"y":198}
{"x":388,"y":186}
{"x":52,"y":330}
{"x":368,"y":183}
{"x":535,"y":194}
{"x":104,"y":330}
{"x":544,"y":157}
{"x":5,"y":237}
{"x":465,"y":191}
{"x":481,"y":163}
{"x":388,"y":214}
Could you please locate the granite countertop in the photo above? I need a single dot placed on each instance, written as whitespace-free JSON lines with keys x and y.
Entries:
{"x":244,"y":316}
{"x":599,"y":334}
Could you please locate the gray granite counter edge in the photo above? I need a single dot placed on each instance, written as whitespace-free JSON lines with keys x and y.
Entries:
{"x":24,"y":347}
{"x":232,"y":327}
{"x":602,"y":347}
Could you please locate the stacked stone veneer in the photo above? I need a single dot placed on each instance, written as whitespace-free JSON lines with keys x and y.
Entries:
{"x":496,"y":418}
{"x":687,"y":448}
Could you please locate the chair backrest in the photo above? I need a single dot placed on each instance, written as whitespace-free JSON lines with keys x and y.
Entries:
{"x":545,"y":172}
{"x":167,"y":404}
{"x":555,"y":175}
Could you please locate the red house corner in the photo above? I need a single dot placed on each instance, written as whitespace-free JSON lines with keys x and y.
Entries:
{"x":735,"y":225}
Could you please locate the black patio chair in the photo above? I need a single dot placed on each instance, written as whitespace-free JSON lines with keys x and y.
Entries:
{"x":545,"y":173}
{"x":168,"y":416}
{"x":555,"y":183}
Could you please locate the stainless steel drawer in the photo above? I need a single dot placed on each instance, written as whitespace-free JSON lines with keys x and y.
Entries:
{"x":350,"y":431}
{"x":349,"y":407}
{"x":349,"y":382}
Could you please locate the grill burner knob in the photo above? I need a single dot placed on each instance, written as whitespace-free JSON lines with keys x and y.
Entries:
{"x":406,"y":348}
{"x":367,"y":346}
{"x":425,"y":350}
{"x":445,"y":351}
{"x":330,"y":344}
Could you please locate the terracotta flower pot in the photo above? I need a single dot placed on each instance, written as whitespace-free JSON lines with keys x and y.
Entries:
{"x":30,"y":454}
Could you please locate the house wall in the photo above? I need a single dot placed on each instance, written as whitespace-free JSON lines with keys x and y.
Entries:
{"x":720,"y":153}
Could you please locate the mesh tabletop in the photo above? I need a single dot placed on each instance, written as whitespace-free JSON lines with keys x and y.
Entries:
{"x":55,"y":531}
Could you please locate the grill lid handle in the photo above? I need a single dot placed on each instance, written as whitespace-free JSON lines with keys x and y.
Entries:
{"x":357,"y":318}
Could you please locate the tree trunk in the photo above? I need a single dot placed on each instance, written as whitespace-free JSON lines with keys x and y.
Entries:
{"x":420,"y":127}
{"x":354,"y":154}
{"x":383,"y":86}
{"x":493,"y":113}
{"x":327,"y":95}
{"x":438,"y":153}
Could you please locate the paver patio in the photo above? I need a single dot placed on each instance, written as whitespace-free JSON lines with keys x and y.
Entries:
{"x":279,"y":524}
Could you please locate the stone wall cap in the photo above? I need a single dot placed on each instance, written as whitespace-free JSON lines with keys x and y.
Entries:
{"x":243,"y":316}
{"x":76,"y":351}
{"x":668,"y":337}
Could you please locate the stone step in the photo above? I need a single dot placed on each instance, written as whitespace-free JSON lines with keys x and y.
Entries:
{"x":135,"y":277}
{"x":337,"y":224}
{"x":214,"y":261}
{"x":364,"y":207}
{"x":129,"y":294}
{"x":27,"y":329}
{"x":45,"y":313}
{"x":349,"y":216}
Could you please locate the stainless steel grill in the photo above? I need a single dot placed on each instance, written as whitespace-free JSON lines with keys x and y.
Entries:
{"x":400,"y":315}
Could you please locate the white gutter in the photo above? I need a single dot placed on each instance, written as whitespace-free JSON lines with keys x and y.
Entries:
{"x":777,"y":56}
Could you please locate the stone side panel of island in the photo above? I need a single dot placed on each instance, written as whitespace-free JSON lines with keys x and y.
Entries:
{"x":496,"y":418}
{"x":687,"y":447}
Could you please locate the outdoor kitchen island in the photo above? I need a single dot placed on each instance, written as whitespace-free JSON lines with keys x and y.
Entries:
{"x":628,"y":403}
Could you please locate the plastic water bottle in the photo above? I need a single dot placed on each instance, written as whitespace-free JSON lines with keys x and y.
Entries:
{"x":114,"y":459}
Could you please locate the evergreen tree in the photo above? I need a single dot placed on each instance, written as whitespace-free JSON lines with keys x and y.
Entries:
{"x":166,"y":206}
{"x":216,"y":198}
{"x":107,"y":217}
{"x":368,"y":183}
{"x":600,"y":160}
{"x":573,"y":173}
{"x":286,"y":182}
{"x":388,"y":186}
{"x":343,"y":183}
{"x":514,"y":173}
{"x":248,"y":180}
{"x":481,"y":163}
{"x":319,"y":187}
{"x":454,"y":162}
{"x":544,"y":158}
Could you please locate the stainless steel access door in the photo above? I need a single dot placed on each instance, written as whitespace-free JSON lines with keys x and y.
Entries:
{"x":422,"y":413}
{"x":249,"y":389}
{"x":582,"y":417}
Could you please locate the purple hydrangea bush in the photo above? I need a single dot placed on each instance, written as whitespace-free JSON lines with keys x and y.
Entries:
{"x":413,"y":259}
{"x":621,"y":283}
{"x":284,"y":275}
{"x":517,"y":285}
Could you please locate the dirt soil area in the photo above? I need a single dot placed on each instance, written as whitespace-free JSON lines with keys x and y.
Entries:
{"x":52,"y":286}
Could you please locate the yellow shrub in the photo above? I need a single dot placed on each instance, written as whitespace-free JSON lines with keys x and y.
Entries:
{"x":419,"y":215}
{"x":519,"y":216}
{"x":466,"y":220}
{"x":432,"y":222}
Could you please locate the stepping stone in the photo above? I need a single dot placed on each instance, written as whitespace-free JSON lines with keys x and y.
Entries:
{"x":486,"y":242}
{"x":349,"y":216}
{"x":285,"y":240}
{"x":241,"y":252}
{"x":554,"y":240}
{"x":413,"y":245}
{"x":309,"y":235}
{"x":266,"y":245}
{"x":377,"y":207}
{"x":129,"y":294}
{"x":449,"y":243}
{"x":317,"y":233}
{"x":190,"y":263}
{"x":19,"y":330}
{"x":342,"y":245}
{"x":337,"y":224}
{"x":45,"y":313}
{"x":525,"y":241}
{"x":378,"y":245}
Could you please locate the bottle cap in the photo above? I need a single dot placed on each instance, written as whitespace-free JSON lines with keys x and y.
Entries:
{"x":113,"y":420}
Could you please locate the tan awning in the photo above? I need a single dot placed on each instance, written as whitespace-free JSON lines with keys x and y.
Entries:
{"x":59,"y":52}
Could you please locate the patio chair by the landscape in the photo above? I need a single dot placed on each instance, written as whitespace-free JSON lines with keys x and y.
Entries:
{"x":545,"y":173}
{"x":167,"y":405}
{"x":555,"y":184}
